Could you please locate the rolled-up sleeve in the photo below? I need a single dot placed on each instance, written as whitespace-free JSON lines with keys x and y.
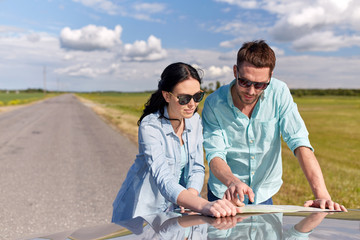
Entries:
{"x":292,"y":126}
{"x":150,"y":140}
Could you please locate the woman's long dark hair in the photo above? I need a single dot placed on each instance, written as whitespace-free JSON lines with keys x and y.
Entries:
{"x":172,"y":75}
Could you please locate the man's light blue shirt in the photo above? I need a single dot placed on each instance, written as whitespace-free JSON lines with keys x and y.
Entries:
{"x":265,"y":227}
{"x":252,"y":146}
{"x":152,"y":183}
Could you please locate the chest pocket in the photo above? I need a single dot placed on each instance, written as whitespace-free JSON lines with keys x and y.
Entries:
{"x":266,"y":129}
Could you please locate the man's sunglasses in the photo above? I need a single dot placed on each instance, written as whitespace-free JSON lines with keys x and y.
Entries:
{"x":257,"y":85}
{"x":186,"y":98}
{"x":247,"y":83}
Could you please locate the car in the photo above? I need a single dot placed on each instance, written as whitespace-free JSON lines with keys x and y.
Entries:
{"x":250,"y":225}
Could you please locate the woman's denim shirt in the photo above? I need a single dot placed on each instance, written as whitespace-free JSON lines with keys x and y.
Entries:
{"x":152,"y":184}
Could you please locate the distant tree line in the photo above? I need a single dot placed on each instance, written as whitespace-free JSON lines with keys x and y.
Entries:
{"x":212,"y":87}
{"x":325,"y":92}
{"x":29,"y":90}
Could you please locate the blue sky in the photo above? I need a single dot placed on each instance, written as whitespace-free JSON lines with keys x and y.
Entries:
{"x":123,"y":45}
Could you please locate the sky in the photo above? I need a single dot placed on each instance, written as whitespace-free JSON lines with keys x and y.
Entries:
{"x":124,"y":45}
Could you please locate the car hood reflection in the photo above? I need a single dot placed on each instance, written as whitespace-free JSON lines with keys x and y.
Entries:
{"x":172,"y":225}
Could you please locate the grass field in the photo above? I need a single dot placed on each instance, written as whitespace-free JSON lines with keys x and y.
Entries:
{"x":12,"y":98}
{"x":333,"y":124}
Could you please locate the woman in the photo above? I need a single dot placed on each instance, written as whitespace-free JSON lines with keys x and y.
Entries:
{"x":169,"y":170}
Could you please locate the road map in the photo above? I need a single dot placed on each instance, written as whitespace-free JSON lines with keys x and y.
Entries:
{"x":281,"y":208}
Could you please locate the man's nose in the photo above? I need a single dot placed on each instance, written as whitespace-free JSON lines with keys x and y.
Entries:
{"x":252,"y":89}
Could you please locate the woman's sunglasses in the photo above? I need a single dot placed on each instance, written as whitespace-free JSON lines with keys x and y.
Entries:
{"x":186,"y":98}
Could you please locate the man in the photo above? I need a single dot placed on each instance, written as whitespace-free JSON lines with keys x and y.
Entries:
{"x":243,"y":124}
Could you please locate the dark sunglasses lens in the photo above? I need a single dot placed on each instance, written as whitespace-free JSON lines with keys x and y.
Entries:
{"x":244,"y":82}
{"x":198,"y":96}
{"x":259,"y":85}
{"x":184,"y":99}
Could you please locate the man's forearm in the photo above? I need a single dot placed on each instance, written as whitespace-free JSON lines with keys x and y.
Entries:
{"x":312,"y":171}
{"x":222,"y":171}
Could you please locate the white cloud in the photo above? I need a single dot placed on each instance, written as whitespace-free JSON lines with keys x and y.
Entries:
{"x":105,"y":70}
{"x":144,"y":51}
{"x":229,"y":56}
{"x":303,"y":20}
{"x":104,"y":5}
{"x":140,"y":11}
{"x":278,"y":51}
{"x":241,"y":3}
{"x":310,"y":16}
{"x":325,"y":41}
{"x":10,"y":29}
{"x":236,"y":28}
{"x":214,"y":72}
{"x":33,"y":37}
{"x":298,"y":21}
{"x":85,"y":70}
{"x":90,"y":38}
{"x":145,"y":11}
{"x":150,"y":7}
{"x":233,"y":43}
{"x":318,"y":72}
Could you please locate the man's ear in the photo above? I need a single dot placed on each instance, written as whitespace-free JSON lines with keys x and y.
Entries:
{"x":235,"y":71}
{"x":166,"y":96}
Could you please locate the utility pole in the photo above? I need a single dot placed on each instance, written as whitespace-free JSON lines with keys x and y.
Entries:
{"x":44,"y":80}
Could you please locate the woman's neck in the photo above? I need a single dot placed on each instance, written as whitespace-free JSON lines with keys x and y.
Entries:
{"x":178,"y":126}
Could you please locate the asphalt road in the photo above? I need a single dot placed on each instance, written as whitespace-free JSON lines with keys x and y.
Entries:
{"x":61,"y":167}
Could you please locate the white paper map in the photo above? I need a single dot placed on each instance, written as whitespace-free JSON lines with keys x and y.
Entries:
{"x":280,"y":208}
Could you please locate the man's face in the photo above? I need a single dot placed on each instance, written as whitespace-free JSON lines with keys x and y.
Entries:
{"x":250,"y":82}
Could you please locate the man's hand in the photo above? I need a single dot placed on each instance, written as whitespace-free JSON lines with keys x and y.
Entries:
{"x":325,"y":203}
{"x":236,"y":193}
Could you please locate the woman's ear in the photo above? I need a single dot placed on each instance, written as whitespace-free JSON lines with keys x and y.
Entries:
{"x":166,"y":96}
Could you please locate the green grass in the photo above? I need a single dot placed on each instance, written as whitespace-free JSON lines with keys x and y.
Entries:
{"x":333,"y":125}
{"x":130,"y":103}
{"x":12,"y":98}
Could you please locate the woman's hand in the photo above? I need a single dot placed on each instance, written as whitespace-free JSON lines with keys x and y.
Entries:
{"x":220,"y":208}
{"x":225,"y":223}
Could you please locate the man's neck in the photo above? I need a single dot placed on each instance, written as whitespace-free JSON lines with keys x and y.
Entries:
{"x":246,"y":109}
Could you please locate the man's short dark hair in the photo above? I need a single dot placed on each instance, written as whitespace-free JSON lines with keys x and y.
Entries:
{"x":258,"y":53}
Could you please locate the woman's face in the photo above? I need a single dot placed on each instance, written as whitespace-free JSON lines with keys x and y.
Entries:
{"x":187,"y":87}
